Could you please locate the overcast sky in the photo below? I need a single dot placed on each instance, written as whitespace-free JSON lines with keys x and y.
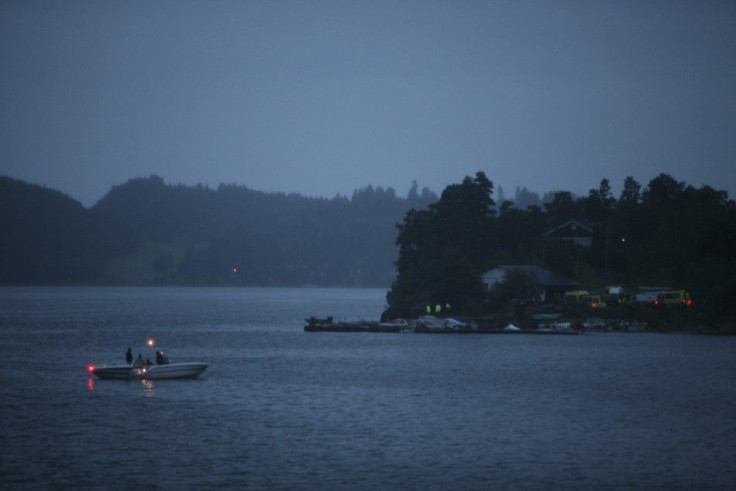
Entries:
{"x":323,"y":97}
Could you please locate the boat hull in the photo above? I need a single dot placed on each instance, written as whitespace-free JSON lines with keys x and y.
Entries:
{"x":153,"y":372}
{"x":172,"y":370}
{"x":117,"y":372}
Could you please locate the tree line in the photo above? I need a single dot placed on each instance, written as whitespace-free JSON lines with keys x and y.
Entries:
{"x":428,"y":249}
{"x":664,"y":233}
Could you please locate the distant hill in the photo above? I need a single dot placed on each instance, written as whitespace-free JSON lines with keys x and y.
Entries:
{"x":47,"y":237}
{"x":148,"y":232}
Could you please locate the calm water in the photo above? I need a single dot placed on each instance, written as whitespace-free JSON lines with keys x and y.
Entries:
{"x":280,"y":408}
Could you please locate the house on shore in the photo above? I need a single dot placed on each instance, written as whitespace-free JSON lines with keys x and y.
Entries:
{"x":553,"y":286}
{"x":572,"y":231}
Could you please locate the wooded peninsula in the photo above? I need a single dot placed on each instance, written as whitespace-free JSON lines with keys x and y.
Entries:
{"x":426,"y":248}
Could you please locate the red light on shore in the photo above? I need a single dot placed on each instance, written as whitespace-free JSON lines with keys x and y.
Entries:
{"x":91,"y":368}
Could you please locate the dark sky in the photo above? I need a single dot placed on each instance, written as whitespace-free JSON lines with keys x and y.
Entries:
{"x":323,"y":97}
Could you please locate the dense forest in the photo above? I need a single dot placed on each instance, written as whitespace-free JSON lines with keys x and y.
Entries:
{"x":667,"y":233}
{"x":148,"y":232}
{"x":427,"y":248}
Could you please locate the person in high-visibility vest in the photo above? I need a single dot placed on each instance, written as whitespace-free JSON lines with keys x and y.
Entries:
{"x":429,"y":309}
{"x":437,"y":309}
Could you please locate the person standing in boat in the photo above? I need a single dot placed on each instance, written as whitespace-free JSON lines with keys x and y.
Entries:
{"x":139,"y":363}
{"x":129,"y":356}
{"x":161,"y":358}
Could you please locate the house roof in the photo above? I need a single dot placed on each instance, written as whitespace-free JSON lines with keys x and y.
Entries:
{"x":570,"y":228}
{"x":543,"y":276}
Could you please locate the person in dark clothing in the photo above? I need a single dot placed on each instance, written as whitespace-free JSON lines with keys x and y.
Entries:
{"x":161,"y":358}
{"x":129,"y":356}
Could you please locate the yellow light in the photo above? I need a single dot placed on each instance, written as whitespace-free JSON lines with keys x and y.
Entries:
{"x":150,"y":342}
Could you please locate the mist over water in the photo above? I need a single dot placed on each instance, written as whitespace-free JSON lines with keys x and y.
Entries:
{"x":281,"y":408}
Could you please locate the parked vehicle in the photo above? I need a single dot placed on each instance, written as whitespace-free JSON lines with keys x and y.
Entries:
{"x":576,"y":297}
{"x":615,"y":295}
{"x":596,"y":302}
{"x":646,"y":297}
{"x":583,"y":297}
{"x":673,"y":298}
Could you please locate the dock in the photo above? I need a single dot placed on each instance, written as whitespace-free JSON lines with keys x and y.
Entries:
{"x":314,"y":324}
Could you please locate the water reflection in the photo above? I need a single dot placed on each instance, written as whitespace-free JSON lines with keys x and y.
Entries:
{"x":148,"y":387}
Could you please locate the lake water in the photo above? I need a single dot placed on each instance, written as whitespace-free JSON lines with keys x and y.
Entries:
{"x":281,"y":408}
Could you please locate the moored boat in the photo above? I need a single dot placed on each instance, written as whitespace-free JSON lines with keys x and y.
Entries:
{"x":396,"y":325}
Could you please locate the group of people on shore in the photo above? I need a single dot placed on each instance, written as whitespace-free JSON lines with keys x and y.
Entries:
{"x":161,"y":359}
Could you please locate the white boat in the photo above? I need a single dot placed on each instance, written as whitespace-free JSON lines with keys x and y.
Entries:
{"x":171,"y":370}
{"x":455,"y":325}
{"x":430,"y":323}
{"x":398,"y":325}
{"x":150,"y":372}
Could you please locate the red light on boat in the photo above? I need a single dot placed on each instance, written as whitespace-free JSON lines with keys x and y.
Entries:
{"x":91,"y":368}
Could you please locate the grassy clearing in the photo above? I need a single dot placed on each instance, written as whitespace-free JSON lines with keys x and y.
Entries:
{"x":152,"y":263}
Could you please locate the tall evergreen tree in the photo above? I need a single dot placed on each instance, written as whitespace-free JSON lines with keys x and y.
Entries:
{"x":444,"y":250}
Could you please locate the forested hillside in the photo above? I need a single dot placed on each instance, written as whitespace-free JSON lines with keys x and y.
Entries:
{"x":47,"y":237}
{"x":148,"y":232}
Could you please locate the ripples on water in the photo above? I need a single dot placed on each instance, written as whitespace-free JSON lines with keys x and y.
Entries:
{"x":280,"y":408}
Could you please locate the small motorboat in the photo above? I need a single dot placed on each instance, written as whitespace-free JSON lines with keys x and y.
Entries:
{"x":396,"y":325}
{"x":148,"y":372}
